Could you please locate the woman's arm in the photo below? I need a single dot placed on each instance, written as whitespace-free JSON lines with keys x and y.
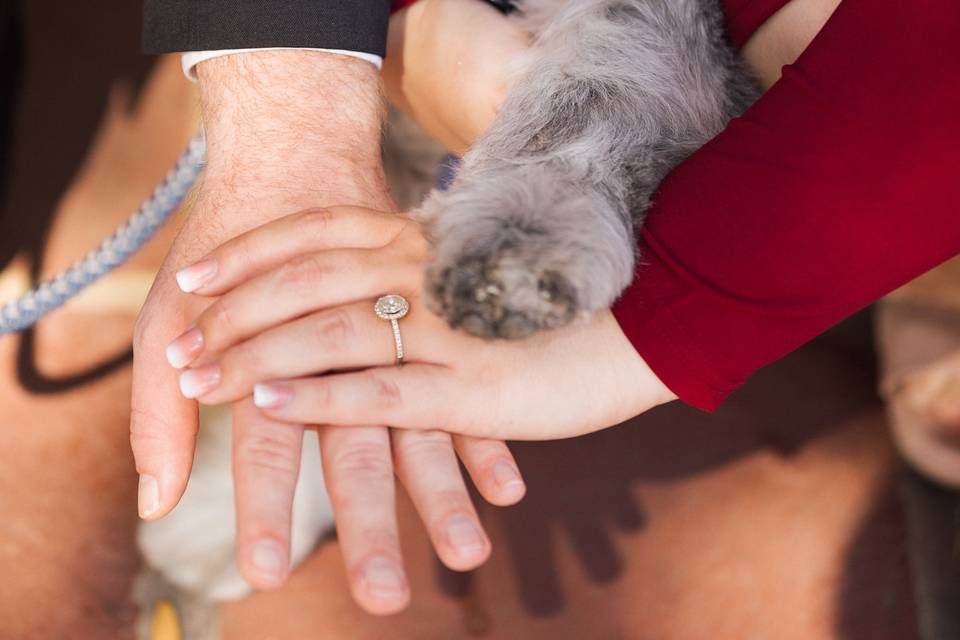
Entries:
{"x":835,"y":188}
{"x":838,"y":186}
{"x":448,"y":66}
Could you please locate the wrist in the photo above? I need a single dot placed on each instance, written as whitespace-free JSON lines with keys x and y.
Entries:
{"x":646,"y":389}
{"x":264,"y":112}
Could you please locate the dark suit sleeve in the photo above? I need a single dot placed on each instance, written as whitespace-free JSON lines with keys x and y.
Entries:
{"x":200,"y":25}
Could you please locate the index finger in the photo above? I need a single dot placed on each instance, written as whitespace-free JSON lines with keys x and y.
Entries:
{"x":275,"y":243}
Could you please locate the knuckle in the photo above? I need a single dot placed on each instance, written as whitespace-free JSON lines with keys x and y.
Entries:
{"x":276,"y":452}
{"x":368,"y":460}
{"x":336,"y":327}
{"x":423,"y":444}
{"x":413,"y":242}
{"x":239,"y":251}
{"x":447,"y":503}
{"x":145,"y":428}
{"x":379,"y":539}
{"x":220,"y":319}
{"x":303,"y":273}
{"x":314,"y":222}
{"x":245,"y":357}
{"x":152,"y":438}
{"x":386,"y":392}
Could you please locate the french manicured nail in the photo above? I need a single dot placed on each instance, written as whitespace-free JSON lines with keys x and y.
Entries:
{"x":185,"y":349}
{"x":507,"y":476}
{"x":148,"y":496}
{"x":196,"y":382}
{"x":382,"y":578}
{"x":464,"y":536}
{"x":196,"y":275}
{"x":269,"y":560}
{"x":271,"y":396}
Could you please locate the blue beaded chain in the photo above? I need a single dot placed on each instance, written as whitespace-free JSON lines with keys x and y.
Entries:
{"x":129,"y":237}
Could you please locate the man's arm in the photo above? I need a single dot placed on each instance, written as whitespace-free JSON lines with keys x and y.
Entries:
{"x":283,"y":117}
{"x":286,"y":131}
{"x":275,"y":146}
{"x":290,"y":130}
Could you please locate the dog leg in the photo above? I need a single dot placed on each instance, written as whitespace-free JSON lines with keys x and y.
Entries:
{"x":538,"y":226}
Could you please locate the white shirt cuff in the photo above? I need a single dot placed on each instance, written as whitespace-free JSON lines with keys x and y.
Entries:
{"x":190,"y":60}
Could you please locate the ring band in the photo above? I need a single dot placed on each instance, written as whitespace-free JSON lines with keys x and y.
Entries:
{"x":392,"y":308}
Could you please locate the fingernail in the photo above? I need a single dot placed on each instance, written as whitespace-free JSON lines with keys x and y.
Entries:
{"x":271,"y":396}
{"x":148,"y":496}
{"x":382,"y":578}
{"x":196,"y":382}
{"x":269,"y":559}
{"x":184,"y":349}
{"x":506,"y":475}
{"x":464,"y":535}
{"x":196,"y":275}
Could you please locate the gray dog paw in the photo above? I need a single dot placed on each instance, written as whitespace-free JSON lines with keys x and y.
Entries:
{"x":510,"y":292}
{"x":522,"y":248}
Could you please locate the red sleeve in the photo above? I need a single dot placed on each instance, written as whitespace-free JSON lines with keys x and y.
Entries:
{"x":840,"y":184}
{"x":744,"y":17}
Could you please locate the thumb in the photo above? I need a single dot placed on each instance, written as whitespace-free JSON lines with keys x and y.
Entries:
{"x":163,"y":424}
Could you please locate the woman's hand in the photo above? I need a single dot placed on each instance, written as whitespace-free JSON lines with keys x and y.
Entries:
{"x":449,"y":64}
{"x":295,"y":326}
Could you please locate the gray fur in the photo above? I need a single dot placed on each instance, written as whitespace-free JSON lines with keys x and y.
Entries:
{"x":539,"y":224}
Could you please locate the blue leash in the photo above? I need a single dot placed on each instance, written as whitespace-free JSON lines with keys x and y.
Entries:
{"x":129,"y":237}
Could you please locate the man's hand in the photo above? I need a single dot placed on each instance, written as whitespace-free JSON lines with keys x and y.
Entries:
{"x":283,"y":130}
{"x":286,"y":131}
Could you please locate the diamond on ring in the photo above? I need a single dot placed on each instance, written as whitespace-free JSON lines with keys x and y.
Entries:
{"x":392,"y":308}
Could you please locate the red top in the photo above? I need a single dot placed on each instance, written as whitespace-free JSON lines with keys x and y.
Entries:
{"x":838,"y":186}
{"x":745,"y":16}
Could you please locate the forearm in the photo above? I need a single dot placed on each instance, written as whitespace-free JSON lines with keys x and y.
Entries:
{"x":448,"y":64}
{"x":294,"y":118}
